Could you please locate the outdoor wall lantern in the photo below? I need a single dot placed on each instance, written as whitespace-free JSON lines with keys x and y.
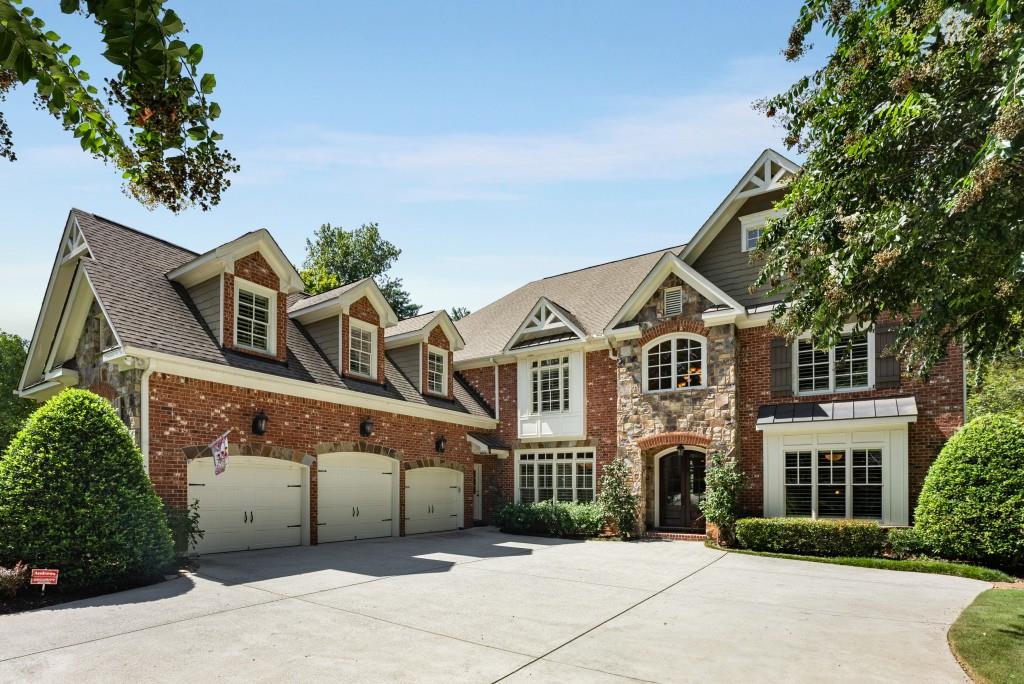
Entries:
{"x":366,"y":427}
{"x":259,"y":423}
{"x":440,"y":444}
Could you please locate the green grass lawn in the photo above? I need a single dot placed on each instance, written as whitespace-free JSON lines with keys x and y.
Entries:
{"x":988,"y":637}
{"x":936,"y":567}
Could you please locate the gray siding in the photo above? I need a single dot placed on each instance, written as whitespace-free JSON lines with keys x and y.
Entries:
{"x":725,"y":264}
{"x":325,"y":333}
{"x":206,"y":297}
{"x":407,"y":359}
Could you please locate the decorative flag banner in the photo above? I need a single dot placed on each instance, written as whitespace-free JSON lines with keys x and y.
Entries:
{"x":219,"y":449}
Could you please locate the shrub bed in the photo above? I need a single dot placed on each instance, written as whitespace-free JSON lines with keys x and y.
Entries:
{"x":561,"y":519}
{"x":811,"y":537}
{"x":907,"y":542}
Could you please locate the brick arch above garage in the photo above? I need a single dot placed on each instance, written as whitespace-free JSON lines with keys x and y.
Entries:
{"x":433,"y":463}
{"x":359,"y":446}
{"x":263,"y":450}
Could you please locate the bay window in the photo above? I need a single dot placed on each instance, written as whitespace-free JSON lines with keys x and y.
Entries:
{"x":555,"y":476}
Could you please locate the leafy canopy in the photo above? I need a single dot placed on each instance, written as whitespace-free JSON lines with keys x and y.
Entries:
{"x":13,"y":409}
{"x":167,"y":151}
{"x":997,"y":386}
{"x":335,"y":256}
{"x":912,"y":196}
{"x":458,"y":312}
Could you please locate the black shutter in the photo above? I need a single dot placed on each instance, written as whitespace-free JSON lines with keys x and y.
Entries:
{"x":782,"y":362}
{"x":887,"y":364}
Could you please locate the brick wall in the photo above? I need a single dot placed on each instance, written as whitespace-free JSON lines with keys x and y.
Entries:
{"x":499,"y":476}
{"x":939,"y":405}
{"x":185,"y":412}
{"x":255,"y":269}
{"x":602,"y":415}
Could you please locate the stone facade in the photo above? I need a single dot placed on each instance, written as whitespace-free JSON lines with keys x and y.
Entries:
{"x":707,"y":413}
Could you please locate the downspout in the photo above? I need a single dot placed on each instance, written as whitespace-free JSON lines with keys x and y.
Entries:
{"x":145,"y":418}
{"x":497,"y":404}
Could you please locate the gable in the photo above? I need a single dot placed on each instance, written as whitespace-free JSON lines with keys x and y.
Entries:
{"x":546,"y":323}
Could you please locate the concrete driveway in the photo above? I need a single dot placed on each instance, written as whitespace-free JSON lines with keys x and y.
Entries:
{"x":480,"y":606}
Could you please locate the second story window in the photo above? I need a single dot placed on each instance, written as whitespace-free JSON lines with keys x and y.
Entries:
{"x":437,"y":372}
{"x":253,"y":321}
{"x":549,"y":380}
{"x":674,"y":363}
{"x":362,"y":358}
{"x":844,"y":367}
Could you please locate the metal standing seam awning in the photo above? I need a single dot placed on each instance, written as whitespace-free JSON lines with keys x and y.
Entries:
{"x":484,"y":443}
{"x":838,"y":413}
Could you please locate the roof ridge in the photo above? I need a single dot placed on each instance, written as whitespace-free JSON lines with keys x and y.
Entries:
{"x":136,"y":231}
{"x":613,"y":261}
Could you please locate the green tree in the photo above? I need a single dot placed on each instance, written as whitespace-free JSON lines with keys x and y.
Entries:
{"x":721,"y":500}
{"x":74,"y":496}
{"x":911,"y":199}
{"x":13,"y":409}
{"x":458,"y":313}
{"x":335,"y":256}
{"x":167,"y":151}
{"x":617,"y":497}
{"x":997,"y":386}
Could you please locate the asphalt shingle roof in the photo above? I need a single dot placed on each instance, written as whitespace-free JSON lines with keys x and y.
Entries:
{"x":146,"y":310}
{"x":407,"y":325}
{"x":592,"y":296}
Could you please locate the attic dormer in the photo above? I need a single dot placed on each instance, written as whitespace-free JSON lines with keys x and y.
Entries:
{"x":240,"y":291}
{"x":347,"y":324}
{"x":547,"y":323}
{"x":422,"y":348}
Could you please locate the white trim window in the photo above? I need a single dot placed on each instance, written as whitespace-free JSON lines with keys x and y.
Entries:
{"x":555,"y":476}
{"x":848,"y":366}
{"x":549,"y":385}
{"x":834,"y":483}
{"x":437,"y":371}
{"x":255,"y":318}
{"x":362,"y":349}
{"x":752,"y":227}
{"x":675,"y":362}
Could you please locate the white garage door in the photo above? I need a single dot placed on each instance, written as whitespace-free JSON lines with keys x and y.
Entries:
{"x":433,"y":500}
{"x":355,"y":496}
{"x":255,"y":504}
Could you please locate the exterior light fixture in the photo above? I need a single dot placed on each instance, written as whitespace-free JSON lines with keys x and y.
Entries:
{"x":366,"y":427}
{"x":259,"y":423}
{"x":440,"y":444}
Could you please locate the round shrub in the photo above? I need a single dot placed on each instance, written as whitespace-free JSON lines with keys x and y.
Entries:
{"x":972,"y":504}
{"x":74,"y":496}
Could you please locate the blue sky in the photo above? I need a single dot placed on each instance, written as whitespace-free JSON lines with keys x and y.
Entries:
{"x":495,"y":143}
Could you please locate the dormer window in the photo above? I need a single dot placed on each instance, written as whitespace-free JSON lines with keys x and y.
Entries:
{"x":255,"y":318}
{"x":752,"y":227}
{"x":362,"y":349}
{"x":437,"y":371}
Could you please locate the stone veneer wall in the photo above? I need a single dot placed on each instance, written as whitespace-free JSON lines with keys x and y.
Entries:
{"x":123,"y":389}
{"x":710,"y":412}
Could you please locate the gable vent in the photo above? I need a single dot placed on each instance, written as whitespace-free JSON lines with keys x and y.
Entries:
{"x":673,"y":301}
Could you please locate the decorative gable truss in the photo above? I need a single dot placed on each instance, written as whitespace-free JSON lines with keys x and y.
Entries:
{"x":767,"y":176}
{"x":74,"y":244}
{"x":547,"y":323}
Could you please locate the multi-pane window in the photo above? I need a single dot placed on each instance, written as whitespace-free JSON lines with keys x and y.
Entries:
{"x":436,"y":372}
{"x":834,"y":483}
{"x":360,"y":351}
{"x":751,"y":236}
{"x":844,"y":367}
{"x":252,"y":324}
{"x":676,"y":363}
{"x":550,"y":385}
{"x":555,"y":476}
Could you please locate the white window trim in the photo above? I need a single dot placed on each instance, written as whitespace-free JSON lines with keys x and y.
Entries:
{"x":564,"y":367}
{"x":703,"y":362}
{"x":754,"y":222}
{"x":443,"y":353}
{"x":354,"y":323}
{"x":271,"y":296}
{"x":795,"y":368}
{"x":554,"y":474}
{"x":848,"y":484}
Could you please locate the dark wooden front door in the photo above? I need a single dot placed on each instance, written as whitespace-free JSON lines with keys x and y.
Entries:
{"x":681,"y":484}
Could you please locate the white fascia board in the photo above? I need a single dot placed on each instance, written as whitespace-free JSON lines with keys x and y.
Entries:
{"x":223,"y":257}
{"x":41,"y":391}
{"x":422,"y":333}
{"x":563,"y":315}
{"x":592,"y":343}
{"x":64,"y":376}
{"x":849,"y":425}
{"x":371,"y":291}
{"x":756,"y":320}
{"x":713,"y":318}
{"x":159,"y":362}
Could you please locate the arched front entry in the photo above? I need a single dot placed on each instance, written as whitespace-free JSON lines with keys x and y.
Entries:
{"x":679,"y":488}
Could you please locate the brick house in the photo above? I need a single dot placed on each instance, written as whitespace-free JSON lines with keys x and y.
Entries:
{"x":344,"y":422}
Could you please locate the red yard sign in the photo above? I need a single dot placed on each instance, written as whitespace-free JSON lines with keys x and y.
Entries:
{"x":44,"y":577}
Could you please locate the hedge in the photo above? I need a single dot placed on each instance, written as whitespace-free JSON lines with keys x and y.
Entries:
{"x":74,"y":496}
{"x":558,"y":518}
{"x":811,"y":537}
{"x":971,"y":506}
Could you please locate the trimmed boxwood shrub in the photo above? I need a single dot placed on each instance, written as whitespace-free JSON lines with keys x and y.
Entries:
{"x":907,"y":542}
{"x":971,"y":507}
{"x":74,"y":496}
{"x":811,"y":537}
{"x":558,"y":518}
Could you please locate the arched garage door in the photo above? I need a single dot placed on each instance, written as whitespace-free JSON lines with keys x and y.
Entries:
{"x":356,"y":496}
{"x":257,"y":503}
{"x":433,"y":500}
